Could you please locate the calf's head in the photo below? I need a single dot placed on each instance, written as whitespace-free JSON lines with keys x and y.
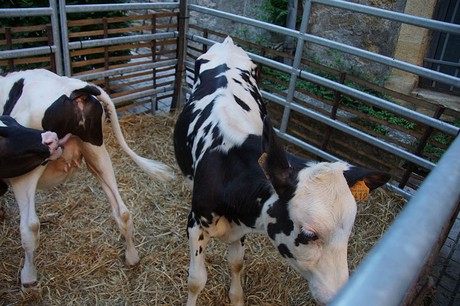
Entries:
{"x":312,"y":219}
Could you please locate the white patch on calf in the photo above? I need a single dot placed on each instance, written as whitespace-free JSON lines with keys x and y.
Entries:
{"x":234,"y":123}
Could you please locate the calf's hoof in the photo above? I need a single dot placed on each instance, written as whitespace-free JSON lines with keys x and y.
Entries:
{"x":29,"y":287}
{"x":132,"y":258}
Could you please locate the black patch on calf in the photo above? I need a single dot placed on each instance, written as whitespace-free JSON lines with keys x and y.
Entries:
{"x":64,"y":116}
{"x":284,"y":251}
{"x":210,"y":82}
{"x":372,"y":178}
{"x":231,"y":184}
{"x":217,"y":138}
{"x":242,"y":104}
{"x":13,"y":96}
{"x":87,"y":90}
{"x":3,"y":187}
{"x":21,"y":148}
{"x":182,"y":151}
{"x":283,"y":223}
{"x":237,"y":81}
{"x":242,"y":240}
{"x":198,"y":64}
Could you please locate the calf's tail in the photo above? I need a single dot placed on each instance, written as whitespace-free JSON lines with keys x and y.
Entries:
{"x":155,"y":169}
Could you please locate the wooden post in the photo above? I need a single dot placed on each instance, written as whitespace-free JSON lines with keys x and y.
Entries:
{"x":106,"y":54}
{"x":49,"y":32}
{"x":421,"y":145}
{"x":179,"y":81}
{"x":335,"y":107}
{"x":153,"y":50}
{"x":9,"y":46}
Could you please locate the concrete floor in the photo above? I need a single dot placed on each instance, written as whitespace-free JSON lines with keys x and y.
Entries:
{"x":446,"y":271}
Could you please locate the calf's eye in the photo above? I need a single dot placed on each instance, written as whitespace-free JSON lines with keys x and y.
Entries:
{"x":305,"y":236}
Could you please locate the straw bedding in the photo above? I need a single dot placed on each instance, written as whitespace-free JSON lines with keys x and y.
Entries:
{"x":80,"y":258}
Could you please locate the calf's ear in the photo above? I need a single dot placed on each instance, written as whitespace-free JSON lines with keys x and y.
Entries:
{"x":372,"y":178}
{"x":274,"y":160}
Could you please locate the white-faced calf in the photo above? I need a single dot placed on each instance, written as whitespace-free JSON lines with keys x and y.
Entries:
{"x":42,"y":100}
{"x":244,"y":181}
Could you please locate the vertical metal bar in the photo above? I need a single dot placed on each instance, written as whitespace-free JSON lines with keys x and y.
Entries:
{"x":455,"y":12}
{"x":56,"y":36}
{"x":446,"y":41}
{"x":178,"y":95}
{"x":451,"y":88}
{"x":296,"y":64}
{"x":65,"y":38}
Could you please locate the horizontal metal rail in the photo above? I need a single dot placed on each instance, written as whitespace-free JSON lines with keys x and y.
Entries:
{"x":120,"y":7}
{"x":326,"y":156}
{"x":441,"y":62}
{"x":353,"y":132}
{"x":27,"y":52}
{"x":25,"y":12}
{"x":119,"y":40}
{"x":386,"y":274}
{"x":125,"y":70}
{"x":142,"y":94}
{"x":430,"y":74}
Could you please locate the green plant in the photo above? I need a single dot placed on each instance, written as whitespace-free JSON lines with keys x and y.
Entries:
{"x":274,"y":11}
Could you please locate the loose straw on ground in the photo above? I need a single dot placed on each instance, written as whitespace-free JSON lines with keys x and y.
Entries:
{"x":80,"y":255}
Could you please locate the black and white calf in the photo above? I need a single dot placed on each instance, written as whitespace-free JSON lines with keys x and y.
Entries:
{"x":244,"y":181}
{"x":42,"y":100}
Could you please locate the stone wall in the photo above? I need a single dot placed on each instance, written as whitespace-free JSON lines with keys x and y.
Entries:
{"x":362,"y":31}
{"x":247,"y":8}
{"x":366,"y":32}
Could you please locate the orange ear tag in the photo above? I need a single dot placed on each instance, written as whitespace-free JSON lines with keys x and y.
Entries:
{"x":360,"y":191}
{"x":261,"y":161}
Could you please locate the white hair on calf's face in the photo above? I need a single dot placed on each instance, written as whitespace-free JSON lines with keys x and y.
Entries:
{"x":323,"y":206}
{"x":324,"y":185}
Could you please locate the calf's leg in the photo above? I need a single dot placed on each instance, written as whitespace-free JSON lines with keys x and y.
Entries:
{"x":98,"y":162}
{"x":197,"y":275}
{"x":235,"y":258}
{"x":24,"y":188}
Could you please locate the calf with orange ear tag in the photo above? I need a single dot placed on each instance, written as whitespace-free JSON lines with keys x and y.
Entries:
{"x":245,"y":182}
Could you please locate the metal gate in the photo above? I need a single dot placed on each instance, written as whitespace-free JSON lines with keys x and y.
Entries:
{"x":143,"y":77}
